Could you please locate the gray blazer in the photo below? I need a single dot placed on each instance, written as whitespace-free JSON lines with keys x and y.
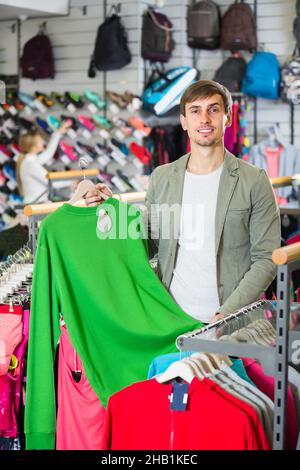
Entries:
{"x":247,"y":228}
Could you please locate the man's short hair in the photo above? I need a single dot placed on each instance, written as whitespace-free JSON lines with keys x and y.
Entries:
{"x":205,"y":89}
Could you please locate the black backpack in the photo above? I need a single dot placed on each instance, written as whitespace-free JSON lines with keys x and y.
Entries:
{"x":231,"y":73}
{"x":239,"y":28}
{"x":37,"y":59}
{"x":203,"y":25}
{"x":111,"y":50}
{"x":157,"y":41}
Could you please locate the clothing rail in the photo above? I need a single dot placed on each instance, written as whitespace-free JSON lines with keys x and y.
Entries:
{"x":274,"y":360}
{"x":36,"y":212}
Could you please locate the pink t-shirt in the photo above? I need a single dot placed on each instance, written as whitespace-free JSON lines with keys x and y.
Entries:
{"x":266,"y":384}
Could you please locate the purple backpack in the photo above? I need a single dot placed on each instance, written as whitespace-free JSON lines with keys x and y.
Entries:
{"x":37,"y":59}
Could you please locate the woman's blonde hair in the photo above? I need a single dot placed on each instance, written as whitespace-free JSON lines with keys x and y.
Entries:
{"x":26,"y":143}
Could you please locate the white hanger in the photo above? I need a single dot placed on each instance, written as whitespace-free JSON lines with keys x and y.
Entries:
{"x":177,"y":369}
{"x":85,"y":185}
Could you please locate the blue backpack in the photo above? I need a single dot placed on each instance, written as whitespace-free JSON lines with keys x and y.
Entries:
{"x":262,"y":76}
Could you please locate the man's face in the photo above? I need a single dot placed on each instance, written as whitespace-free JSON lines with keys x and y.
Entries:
{"x":205,"y":120}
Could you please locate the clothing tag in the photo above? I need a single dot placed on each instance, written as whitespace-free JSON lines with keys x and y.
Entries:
{"x":28,"y":110}
{"x":12,"y":110}
{"x":103,"y":133}
{"x":179,"y":396}
{"x":71,"y":108}
{"x":104,"y":223}
{"x":86,"y":134}
{"x":92,"y":108}
{"x":139,"y":135}
{"x":72,"y":134}
{"x":119,"y":135}
{"x":114,"y":108}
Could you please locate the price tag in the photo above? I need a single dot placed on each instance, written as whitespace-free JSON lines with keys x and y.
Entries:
{"x":119,"y":134}
{"x":27,"y":110}
{"x":179,"y":396}
{"x":103,"y":161}
{"x":39,"y":106}
{"x":72,"y":134}
{"x":138,"y":134}
{"x":118,"y":158}
{"x":104,"y":134}
{"x":138,"y":163}
{"x":71,"y":108}
{"x":86,"y":134}
{"x":92,"y":108}
{"x":114,"y":108}
{"x":12,"y":110}
{"x":119,"y":184}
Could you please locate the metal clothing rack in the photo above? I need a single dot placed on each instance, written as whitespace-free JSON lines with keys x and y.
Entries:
{"x":37,"y":212}
{"x":274,"y":360}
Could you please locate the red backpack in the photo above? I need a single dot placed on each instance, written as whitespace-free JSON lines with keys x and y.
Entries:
{"x":37,"y":59}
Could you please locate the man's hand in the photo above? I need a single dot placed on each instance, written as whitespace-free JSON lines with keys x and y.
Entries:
{"x":94,"y":198}
{"x":216,"y":317}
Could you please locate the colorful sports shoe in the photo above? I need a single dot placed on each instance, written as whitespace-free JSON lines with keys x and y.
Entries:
{"x":26,"y":99}
{"x":2,"y":178}
{"x":86,"y":149}
{"x":26,"y":124}
{"x":86,"y":122}
{"x":102,"y":122}
{"x":122,"y":125}
{"x":59,"y":98}
{"x":15,"y":199}
{"x":45,"y":99}
{"x":74,"y":99}
{"x":69,"y":151}
{"x":140,"y":125}
{"x":9,"y":170}
{"x":94,"y":98}
{"x":141,"y":152}
{"x":121,"y":146}
{"x":43,"y":125}
{"x":53,"y":122}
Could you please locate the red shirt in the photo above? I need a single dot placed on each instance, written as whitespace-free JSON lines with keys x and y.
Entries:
{"x":139,"y":418}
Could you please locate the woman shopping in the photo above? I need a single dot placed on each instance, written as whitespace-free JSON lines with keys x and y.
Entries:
{"x":31,"y":173}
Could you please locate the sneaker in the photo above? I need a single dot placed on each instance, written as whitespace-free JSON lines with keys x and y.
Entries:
{"x":59,"y":98}
{"x":2,"y":178}
{"x":86,"y":149}
{"x":26,"y":124}
{"x":94,"y":98}
{"x":43,"y":125}
{"x":9,"y":170}
{"x":141,"y":152}
{"x":123,"y":147}
{"x":75,"y":123}
{"x":86,"y":122}
{"x":53,"y":122}
{"x":74,"y":99}
{"x":140,"y":125}
{"x":69,"y":151}
{"x":102,"y":122}
{"x":26,"y":99}
{"x":45,"y":99}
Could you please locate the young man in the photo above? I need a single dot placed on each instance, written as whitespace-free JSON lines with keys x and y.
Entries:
{"x":215,"y":257}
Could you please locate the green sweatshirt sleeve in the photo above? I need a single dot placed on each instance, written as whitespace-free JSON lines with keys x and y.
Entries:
{"x":40,"y":409}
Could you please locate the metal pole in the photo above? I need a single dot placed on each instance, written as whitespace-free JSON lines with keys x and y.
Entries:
{"x":292,"y":122}
{"x":281,"y":356}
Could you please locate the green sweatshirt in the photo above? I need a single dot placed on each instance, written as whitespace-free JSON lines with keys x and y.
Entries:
{"x":118,"y":313}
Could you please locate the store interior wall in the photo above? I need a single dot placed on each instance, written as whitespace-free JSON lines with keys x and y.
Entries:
{"x":73,"y":41}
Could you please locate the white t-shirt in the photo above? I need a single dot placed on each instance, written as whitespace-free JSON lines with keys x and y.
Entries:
{"x":194,"y":281}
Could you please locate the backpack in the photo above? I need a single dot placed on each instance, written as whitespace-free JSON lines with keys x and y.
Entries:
{"x":238,"y":28}
{"x":259,"y":83}
{"x":203,"y":25}
{"x":231,"y":73}
{"x":290,"y":79}
{"x":157,"y":41}
{"x":37,"y":58}
{"x":111,"y":50}
{"x":163,"y":94}
{"x":296,"y":30}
